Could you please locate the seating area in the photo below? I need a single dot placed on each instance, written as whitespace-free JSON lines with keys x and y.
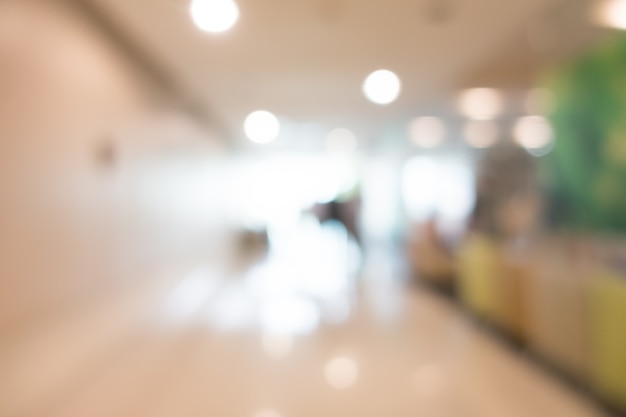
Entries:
{"x":560,"y":300}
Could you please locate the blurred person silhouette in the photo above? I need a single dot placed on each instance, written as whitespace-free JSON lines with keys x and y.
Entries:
{"x":430,"y":258}
{"x":345,"y":209}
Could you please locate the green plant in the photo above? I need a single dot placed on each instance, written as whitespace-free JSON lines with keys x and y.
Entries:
{"x":587,"y":169}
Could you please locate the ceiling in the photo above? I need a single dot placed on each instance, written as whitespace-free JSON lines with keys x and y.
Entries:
{"x":306,"y":60}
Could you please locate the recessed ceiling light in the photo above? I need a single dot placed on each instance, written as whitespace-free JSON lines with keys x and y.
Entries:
{"x":214,"y":15}
{"x":611,"y":13}
{"x":382,"y":87}
{"x":534,"y":133}
{"x":481,"y":103}
{"x":262,"y":127}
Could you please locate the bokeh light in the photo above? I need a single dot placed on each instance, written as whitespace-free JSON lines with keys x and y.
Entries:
{"x":341,"y":373}
{"x":481,"y":133}
{"x":262,"y":127}
{"x":427,"y":132}
{"x":382,"y":87}
{"x":534,"y":133}
{"x":157,"y":262}
{"x":611,"y":13}
{"x":481,"y":103}
{"x":214,"y":15}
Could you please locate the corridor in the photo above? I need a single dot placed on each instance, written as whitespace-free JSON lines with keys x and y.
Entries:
{"x":224,"y":208}
{"x":275,"y":335}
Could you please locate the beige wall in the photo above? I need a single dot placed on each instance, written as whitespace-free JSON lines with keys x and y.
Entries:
{"x":69,"y":225}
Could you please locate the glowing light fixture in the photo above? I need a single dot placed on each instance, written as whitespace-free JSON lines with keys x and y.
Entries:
{"x":481,"y":103}
{"x":214,"y":16}
{"x":611,"y":13}
{"x":261,"y":127}
{"x":535,"y":134}
{"x":382,"y":87}
{"x":481,"y":133}
{"x":341,"y":373}
{"x":427,"y":132}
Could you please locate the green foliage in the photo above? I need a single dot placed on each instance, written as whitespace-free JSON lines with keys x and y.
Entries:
{"x":587,"y":169}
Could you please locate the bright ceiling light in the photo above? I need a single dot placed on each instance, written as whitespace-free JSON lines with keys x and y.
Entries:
{"x":481,"y":133}
{"x":535,"y":134}
{"x":214,"y":16}
{"x":611,"y":13}
{"x":382,"y":87}
{"x":427,"y":132}
{"x":341,"y":141}
{"x":261,"y":127}
{"x":481,"y":103}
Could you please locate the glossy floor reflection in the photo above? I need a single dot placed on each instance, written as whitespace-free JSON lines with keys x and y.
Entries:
{"x":304,"y":331}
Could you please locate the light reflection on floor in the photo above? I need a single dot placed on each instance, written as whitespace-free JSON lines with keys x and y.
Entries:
{"x":308,"y":277}
{"x":306,"y":331}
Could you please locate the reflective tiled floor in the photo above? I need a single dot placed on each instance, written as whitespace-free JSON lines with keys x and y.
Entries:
{"x":305,"y":331}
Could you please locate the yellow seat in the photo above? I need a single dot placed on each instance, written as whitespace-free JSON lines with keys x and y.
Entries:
{"x":558,"y":313}
{"x":512,"y":293}
{"x":479,"y":267}
{"x":608,"y":332}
